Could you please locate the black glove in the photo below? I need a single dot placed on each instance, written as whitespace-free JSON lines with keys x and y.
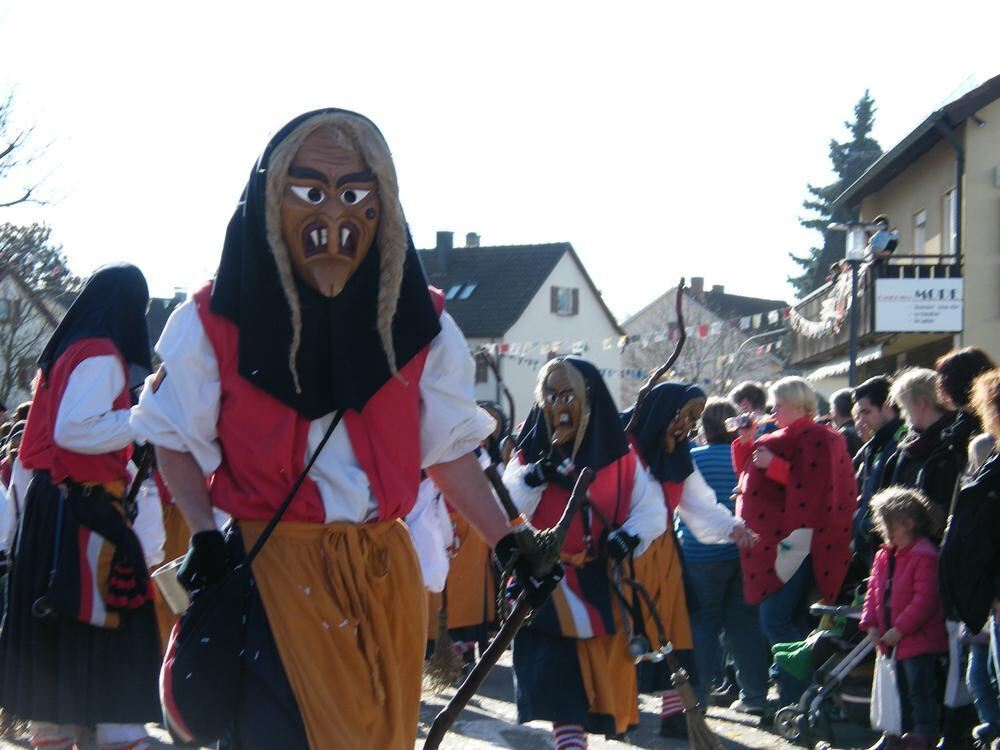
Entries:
{"x":206,"y":561}
{"x":536,"y":589}
{"x":547,"y":472}
{"x":621,"y":544}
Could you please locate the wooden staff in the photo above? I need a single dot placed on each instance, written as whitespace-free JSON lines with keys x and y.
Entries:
{"x":444,"y":720}
{"x":649,"y":384}
{"x":141,"y":472}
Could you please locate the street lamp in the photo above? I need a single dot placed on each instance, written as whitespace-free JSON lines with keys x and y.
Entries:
{"x":857,"y":242}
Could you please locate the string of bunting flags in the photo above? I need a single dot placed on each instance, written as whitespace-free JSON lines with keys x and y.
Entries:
{"x":521,"y":352}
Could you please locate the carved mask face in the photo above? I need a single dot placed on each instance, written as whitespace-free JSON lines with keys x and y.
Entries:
{"x":329,"y":212}
{"x":681,"y":425}
{"x":563,"y":405}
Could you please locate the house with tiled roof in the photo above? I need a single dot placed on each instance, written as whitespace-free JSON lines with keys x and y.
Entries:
{"x":939,"y":189}
{"x":731,"y":338}
{"x":529,"y":303}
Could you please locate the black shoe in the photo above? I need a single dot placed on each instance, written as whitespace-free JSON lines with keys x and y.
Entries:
{"x":675,"y":727}
{"x":724,"y":695}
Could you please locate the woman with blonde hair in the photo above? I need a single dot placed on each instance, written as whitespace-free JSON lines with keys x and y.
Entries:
{"x":797,"y":492}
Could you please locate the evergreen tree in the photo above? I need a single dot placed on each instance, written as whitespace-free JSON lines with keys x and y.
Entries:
{"x":849,"y":160}
{"x":28,"y":252}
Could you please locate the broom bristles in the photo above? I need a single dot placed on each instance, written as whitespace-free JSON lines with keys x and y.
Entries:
{"x":12,"y":727}
{"x":700,"y":736}
{"x":445,"y":664}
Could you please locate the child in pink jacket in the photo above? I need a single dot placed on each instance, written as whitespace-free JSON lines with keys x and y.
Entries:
{"x":903,"y":611}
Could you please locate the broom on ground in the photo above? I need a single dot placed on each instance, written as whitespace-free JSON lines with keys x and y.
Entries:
{"x":700,"y":736}
{"x":445,"y":665}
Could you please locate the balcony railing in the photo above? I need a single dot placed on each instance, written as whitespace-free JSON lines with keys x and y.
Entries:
{"x":830,"y":298}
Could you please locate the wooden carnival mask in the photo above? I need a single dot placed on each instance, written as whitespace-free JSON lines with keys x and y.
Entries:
{"x":682,"y":424}
{"x":329,"y":211}
{"x":564,"y":401}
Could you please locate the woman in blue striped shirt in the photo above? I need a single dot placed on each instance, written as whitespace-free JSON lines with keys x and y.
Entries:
{"x":714,"y":577}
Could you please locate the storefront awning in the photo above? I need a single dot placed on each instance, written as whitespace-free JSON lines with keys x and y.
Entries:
{"x":841,"y":366}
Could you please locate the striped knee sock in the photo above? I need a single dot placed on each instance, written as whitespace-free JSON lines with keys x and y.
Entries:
{"x":671,"y":704}
{"x":49,"y":736}
{"x":569,"y":736}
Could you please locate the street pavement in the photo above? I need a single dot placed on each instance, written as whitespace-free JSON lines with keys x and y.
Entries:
{"x":490,"y":721}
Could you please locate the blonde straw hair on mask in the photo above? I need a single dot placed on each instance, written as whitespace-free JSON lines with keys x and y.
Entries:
{"x":357,"y":133}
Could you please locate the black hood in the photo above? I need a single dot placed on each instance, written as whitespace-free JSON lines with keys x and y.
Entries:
{"x":650,"y":430}
{"x":604,"y":441}
{"x":112,"y":305}
{"x":340,"y":361}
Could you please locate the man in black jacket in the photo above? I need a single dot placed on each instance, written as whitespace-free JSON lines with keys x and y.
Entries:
{"x":880,"y":416}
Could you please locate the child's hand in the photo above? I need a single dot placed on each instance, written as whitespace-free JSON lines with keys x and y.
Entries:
{"x":874,"y":635}
{"x":892,"y":637}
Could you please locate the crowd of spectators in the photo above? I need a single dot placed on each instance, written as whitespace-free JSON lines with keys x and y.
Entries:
{"x":900,"y":485}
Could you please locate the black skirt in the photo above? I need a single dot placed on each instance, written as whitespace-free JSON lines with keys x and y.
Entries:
{"x":65,"y":671}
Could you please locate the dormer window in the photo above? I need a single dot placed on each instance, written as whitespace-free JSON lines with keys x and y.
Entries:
{"x":460,"y":291}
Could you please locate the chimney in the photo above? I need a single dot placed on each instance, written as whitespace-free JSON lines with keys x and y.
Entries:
{"x":472,"y":239}
{"x":718,"y":289}
{"x":697,"y":284}
{"x":445,"y":244}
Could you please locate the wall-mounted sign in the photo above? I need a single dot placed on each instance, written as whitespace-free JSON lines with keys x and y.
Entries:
{"x":918,"y":305}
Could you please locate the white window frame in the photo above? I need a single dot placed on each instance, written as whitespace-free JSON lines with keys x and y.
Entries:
{"x":920,"y":232}
{"x":949,"y":244}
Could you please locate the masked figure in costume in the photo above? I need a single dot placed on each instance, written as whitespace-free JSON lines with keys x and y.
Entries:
{"x":320,"y":306}
{"x":79,"y":645}
{"x":660,"y":435}
{"x":572,"y":664}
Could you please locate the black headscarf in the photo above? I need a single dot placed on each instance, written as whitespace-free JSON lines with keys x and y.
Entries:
{"x":112,"y":306}
{"x":341,"y":362}
{"x":650,"y":430}
{"x":604,"y":441}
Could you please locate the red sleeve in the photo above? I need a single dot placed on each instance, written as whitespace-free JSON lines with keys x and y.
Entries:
{"x":924,"y":602}
{"x":741,"y":455}
{"x":778,"y":470}
{"x":871,"y":614}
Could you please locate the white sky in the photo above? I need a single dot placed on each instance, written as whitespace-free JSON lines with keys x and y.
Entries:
{"x":661,"y":139}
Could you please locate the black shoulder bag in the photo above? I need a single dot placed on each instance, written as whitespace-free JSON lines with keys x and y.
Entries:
{"x":202,"y":668}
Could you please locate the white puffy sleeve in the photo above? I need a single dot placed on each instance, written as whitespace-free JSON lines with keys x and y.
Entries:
{"x":431,"y":531}
{"x":451,"y":423}
{"x":709,"y":520}
{"x":525,"y":498}
{"x":181,"y":411}
{"x":148,"y":524}
{"x":87,"y":421}
{"x":647,"y":513}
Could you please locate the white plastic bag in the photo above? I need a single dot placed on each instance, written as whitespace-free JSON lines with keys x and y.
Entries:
{"x":886,"y":713}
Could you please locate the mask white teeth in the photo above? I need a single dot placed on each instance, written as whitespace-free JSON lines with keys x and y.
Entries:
{"x":314,"y":236}
{"x":323,"y":235}
{"x":564,"y":419}
{"x":345,"y":235}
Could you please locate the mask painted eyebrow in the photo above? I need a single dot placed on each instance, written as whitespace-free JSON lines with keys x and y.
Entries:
{"x":366,"y":176}
{"x":308,"y":173}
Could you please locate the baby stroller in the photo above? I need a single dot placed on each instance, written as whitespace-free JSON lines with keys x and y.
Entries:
{"x":841,"y":690}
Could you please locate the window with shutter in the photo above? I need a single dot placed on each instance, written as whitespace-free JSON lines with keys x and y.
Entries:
{"x":565,"y":300}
